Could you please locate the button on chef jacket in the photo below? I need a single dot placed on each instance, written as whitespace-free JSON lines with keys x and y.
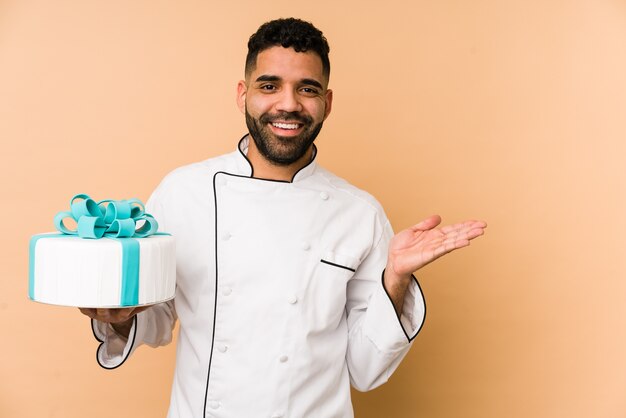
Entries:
{"x":279,"y":293}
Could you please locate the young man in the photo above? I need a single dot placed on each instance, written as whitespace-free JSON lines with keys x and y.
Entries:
{"x":290,"y":282}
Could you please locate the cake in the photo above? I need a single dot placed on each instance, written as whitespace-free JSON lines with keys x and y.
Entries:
{"x":114,"y":258}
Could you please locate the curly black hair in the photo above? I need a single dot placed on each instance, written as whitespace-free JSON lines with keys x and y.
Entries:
{"x":288,"y":33}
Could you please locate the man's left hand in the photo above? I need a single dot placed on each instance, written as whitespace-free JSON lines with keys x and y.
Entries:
{"x":413,"y":248}
{"x":419,"y":245}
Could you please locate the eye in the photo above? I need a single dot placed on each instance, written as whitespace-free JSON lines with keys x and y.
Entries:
{"x":309,"y":91}
{"x":268,"y":87}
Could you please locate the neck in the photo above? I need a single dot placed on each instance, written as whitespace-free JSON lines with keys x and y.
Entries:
{"x":264,"y":169}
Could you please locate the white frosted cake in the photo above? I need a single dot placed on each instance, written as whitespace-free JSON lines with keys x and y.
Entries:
{"x":113,"y":258}
{"x":108,"y":272}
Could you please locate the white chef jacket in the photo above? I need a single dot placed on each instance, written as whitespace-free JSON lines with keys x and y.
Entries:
{"x":279,"y":294}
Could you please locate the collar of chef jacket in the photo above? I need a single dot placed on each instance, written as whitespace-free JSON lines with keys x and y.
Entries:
{"x":246,"y":166}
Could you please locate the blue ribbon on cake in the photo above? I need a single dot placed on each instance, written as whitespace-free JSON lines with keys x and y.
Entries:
{"x":115,"y":219}
{"x":110,"y":218}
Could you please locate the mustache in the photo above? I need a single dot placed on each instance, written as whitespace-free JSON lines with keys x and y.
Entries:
{"x":286,"y":117}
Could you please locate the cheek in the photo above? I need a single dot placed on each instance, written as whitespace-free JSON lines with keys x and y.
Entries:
{"x":317,"y":110}
{"x":258,"y":105}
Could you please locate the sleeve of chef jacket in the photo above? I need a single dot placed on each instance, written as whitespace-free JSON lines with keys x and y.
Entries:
{"x":378,"y":339}
{"x":153,"y":327}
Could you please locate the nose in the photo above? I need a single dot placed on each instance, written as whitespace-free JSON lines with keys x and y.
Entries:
{"x":288,"y":101}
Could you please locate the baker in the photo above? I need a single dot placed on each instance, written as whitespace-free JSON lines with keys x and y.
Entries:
{"x":290,"y":282}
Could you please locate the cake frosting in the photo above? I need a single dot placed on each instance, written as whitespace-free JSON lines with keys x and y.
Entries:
{"x":118,"y":259}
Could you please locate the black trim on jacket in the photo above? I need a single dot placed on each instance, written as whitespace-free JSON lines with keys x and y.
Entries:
{"x":382,"y":280}
{"x":206,"y":391}
{"x":337,"y":265}
{"x":252,"y":168}
{"x":93,"y":329}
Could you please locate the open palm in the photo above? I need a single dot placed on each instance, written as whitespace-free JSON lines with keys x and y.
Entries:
{"x":414,"y":247}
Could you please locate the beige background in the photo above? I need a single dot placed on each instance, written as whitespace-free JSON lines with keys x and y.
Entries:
{"x":510,"y":111}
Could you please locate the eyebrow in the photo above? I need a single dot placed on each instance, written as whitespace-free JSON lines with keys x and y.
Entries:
{"x":266,"y":77}
{"x":274,"y":78}
{"x":311,"y":82}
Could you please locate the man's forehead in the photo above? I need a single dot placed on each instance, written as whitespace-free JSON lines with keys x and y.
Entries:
{"x":286,"y":63}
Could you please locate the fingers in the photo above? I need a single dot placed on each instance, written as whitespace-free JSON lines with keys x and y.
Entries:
{"x":88,"y":311}
{"x":428,"y":223}
{"x":467,"y":225}
{"x":456,"y":236}
{"x":112,"y":315}
{"x":421,"y":244}
{"x":473,"y":233}
{"x":139,"y":309}
{"x":464,"y":234}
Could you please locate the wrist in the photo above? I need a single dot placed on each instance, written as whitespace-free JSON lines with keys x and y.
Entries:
{"x":391,"y":277}
{"x":396,"y":286}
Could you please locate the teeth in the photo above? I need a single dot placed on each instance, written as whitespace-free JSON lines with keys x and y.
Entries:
{"x":285,"y":125}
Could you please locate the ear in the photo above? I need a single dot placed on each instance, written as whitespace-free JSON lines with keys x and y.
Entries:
{"x":329,"y":102}
{"x":242,"y":89}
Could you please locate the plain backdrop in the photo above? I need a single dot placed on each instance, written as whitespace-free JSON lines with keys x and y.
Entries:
{"x":510,"y":111}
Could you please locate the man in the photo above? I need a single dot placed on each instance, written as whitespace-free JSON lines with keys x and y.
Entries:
{"x":290,"y":283}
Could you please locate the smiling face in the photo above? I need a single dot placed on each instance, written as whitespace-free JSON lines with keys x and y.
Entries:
{"x":285,"y":100}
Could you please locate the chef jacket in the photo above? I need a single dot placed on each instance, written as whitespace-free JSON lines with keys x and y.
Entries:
{"x":279,"y":293}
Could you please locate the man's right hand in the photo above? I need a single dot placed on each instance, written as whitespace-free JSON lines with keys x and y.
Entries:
{"x":121,"y":319}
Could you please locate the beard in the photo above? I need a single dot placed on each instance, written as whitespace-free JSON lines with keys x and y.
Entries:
{"x":281,"y":150}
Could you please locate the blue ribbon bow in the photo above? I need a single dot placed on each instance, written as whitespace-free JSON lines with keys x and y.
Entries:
{"x":107,"y":218}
